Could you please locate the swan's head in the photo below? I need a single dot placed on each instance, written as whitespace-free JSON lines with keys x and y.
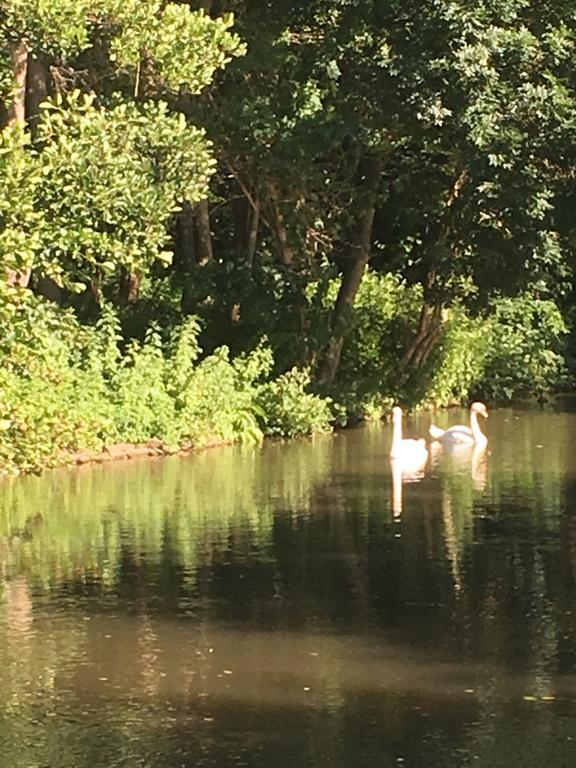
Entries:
{"x":480,"y":409}
{"x":397,"y":413}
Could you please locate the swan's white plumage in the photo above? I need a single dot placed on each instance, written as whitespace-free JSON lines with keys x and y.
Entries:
{"x":460,"y":434}
{"x":411,"y":453}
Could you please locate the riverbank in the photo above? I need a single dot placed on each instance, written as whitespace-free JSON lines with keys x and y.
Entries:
{"x":129,"y":451}
{"x":72,"y":393}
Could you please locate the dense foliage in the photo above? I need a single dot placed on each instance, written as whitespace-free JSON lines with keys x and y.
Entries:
{"x":226,"y":219}
{"x":65,"y":387}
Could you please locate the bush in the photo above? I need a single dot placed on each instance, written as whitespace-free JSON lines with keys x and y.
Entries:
{"x":525,"y":351}
{"x":385,"y":312}
{"x":515,"y":349}
{"x":457,"y":365}
{"x":287,"y":409}
{"x":65,"y":387}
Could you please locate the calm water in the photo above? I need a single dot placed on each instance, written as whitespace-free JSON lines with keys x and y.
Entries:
{"x":296,"y":605}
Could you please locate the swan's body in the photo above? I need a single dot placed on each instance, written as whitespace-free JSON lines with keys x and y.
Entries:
{"x":410,"y":453}
{"x":460,"y":434}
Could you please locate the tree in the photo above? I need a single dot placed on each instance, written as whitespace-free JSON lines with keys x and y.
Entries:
{"x":465,"y":109}
{"x":113,"y":173}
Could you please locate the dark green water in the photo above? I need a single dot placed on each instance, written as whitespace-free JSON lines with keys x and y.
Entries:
{"x":283,"y":606}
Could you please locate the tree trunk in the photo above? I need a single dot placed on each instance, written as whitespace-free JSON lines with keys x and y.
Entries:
{"x":36,"y":91}
{"x":184,"y":247}
{"x":19,"y":56}
{"x":285,"y":250}
{"x":18,"y":278}
{"x":185,"y":254}
{"x":241,"y":218}
{"x":204,"y":250}
{"x":253,"y":232}
{"x":354,"y":271}
{"x":129,"y":287}
{"x":431,"y":315}
{"x":427,"y":334}
{"x":246,"y":224}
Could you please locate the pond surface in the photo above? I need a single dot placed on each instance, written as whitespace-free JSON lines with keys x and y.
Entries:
{"x":297,"y":605}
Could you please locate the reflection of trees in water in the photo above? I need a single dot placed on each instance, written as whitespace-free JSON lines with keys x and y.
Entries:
{"x":73,"y":525}
{"x":301,"y":539}
{"x":463,"y":472}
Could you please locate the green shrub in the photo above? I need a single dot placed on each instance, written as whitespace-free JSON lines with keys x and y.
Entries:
{"x":217,"y":403}
{"x":142,"y":407}
{"x":51,"y":400}
{"x":385,"y":313}
{"x":65,"y":387}
{"x":457,"y":365}
{"x":525,"y":351}
{"x":515,"y":350}
{"x":287,"y":409}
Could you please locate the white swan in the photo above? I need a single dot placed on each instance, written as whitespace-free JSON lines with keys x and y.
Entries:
{"x":411,"y":453}
{"x":461,"y":435}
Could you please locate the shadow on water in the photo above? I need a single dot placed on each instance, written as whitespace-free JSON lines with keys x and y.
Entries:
{"x":300,"y":604}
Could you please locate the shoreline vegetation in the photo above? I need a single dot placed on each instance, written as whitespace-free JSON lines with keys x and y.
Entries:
{"x":77,"y":392}
{"x":241,"y":220}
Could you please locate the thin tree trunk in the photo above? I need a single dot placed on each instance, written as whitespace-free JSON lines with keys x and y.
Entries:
{"x":16,"y":113}
{"x":204,"y":251}
{"x":185,"y":250}
{"x":429,"y":344}
{"x":427,"y":324}
{"x":19,"y":56}
{"x":431,"y":315}
{"x":246,"y":236}
{"x":185,"y":253}
{"x":246,"y":224}
{"x":36,"y":91}
{"x":429,"y":338}
{"x":241,"y":218}
{"x":354,"y":271}
{"x":253,"y":232}
{"x":285,"y":250}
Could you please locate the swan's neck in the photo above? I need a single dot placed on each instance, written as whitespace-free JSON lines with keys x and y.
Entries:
{"x":479,"y":436}
{"x":397,"y":433}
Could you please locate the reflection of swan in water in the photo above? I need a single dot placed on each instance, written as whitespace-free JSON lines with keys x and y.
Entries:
{"x":407,"y":460}
{"x":465,"y":471}
{"x":461,"y":435}
{"x":461,"y":457}
{"x":479,"y":467}
{"x":403,"y":473}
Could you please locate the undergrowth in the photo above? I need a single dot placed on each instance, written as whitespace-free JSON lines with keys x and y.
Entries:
{"x":65,"y":387}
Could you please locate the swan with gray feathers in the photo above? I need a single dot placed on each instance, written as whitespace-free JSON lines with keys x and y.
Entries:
{"x":460,"y":434}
